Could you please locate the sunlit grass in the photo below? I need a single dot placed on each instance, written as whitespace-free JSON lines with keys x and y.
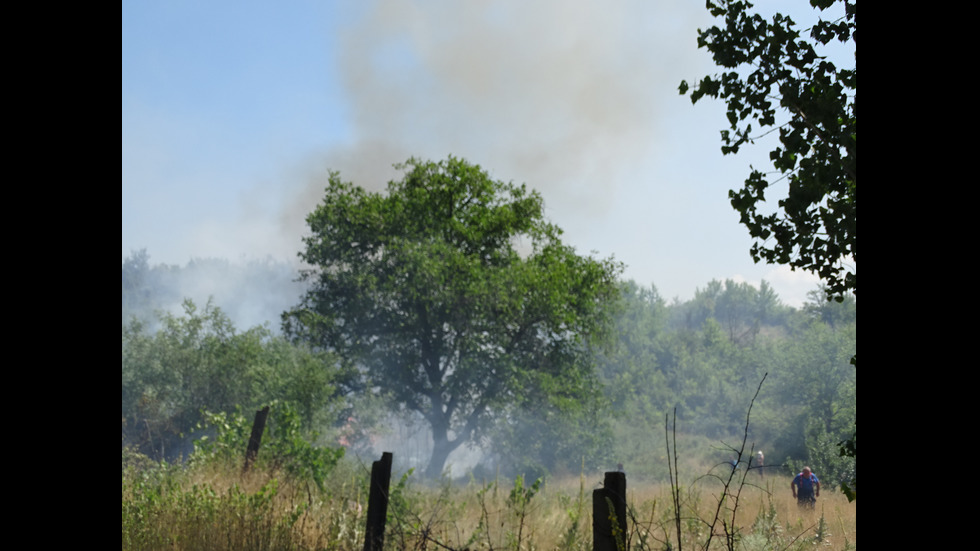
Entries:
{"x":217,"y":507}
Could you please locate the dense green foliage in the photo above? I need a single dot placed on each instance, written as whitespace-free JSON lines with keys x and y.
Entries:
{"x":200,"y":361}
{"x":774,"y":72}
{"x":426,"y":288}
{"x":704,"y":356}
{"x":710,"y":373}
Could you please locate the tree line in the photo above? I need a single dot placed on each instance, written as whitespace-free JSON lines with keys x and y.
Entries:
{"x":540,"y":356}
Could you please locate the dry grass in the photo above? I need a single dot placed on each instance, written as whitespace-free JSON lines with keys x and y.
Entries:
{"x":216,"y":508}
{"x":758,"y":502}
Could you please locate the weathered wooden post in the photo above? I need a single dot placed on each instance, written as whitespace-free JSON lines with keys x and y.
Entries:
{"x":374,"y":534}
{"x":258,"y":426}
{"x":606,"y":536}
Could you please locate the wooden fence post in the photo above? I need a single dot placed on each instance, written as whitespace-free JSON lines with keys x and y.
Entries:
{"x":374,"y":534}
{"x":604,"y":537}
{"x":258,"y":426}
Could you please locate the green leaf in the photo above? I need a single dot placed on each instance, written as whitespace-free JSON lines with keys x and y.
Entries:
{"x":818,"y":139}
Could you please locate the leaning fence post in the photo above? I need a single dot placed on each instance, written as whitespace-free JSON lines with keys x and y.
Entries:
{"x":374,"y":534}
{"x":613,"y":492}
{"x":258,"y":426}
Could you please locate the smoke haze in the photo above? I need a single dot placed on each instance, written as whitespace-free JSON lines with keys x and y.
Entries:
{"x":226,"y":149}
{"x":555,"y":94}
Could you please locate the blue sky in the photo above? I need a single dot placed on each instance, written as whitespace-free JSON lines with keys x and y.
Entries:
{"x":232,"y":113}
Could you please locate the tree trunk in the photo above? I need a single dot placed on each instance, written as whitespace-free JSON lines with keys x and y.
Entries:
{"x":441,"y":448}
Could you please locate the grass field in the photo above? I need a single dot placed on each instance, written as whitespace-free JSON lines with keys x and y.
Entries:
{"x":210,"y":506}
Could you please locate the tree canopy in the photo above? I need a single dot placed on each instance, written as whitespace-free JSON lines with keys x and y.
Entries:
{"x":683,"y":357}
{"x":774,"y":72}
{"x":454,"y":296}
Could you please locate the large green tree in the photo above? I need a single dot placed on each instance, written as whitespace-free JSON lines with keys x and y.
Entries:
{"x":778,"y":78}
{"x":454,"y":295}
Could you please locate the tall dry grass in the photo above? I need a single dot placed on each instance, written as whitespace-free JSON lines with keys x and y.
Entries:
{"x":766,"y":516}
{"x":211,"y":507}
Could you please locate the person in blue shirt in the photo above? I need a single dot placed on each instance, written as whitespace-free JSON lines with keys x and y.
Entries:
{"x":806,"y":488}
